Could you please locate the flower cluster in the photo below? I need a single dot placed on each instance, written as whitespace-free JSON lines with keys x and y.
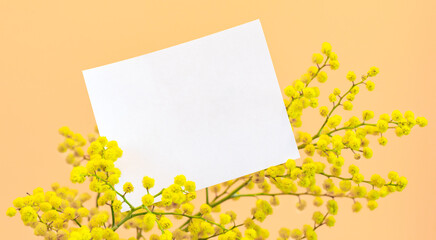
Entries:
{"x":321,"y":176}
{"x":50,"y":212}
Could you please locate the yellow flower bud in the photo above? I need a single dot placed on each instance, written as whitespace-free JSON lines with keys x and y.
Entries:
{"x":317,"y":58}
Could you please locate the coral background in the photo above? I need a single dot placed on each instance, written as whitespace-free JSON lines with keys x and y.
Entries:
{"x":44,"y":45}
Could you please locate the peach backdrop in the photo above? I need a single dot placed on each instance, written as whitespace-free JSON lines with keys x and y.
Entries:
{"x":44,"y":45}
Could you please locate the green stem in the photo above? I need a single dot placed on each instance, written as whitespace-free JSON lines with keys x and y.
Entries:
{"x":216,"y":235}
{"x":128,"y":217}
{"x":317,"y":226}
{"x":119,"y":194}
{"x":159,"y":193}
{"x":313,"y":77}
{"x":338,"y":177}
{"x":334,"y":107}
{"x":345,"y":128}
{"x":96,"y":200}
{"x":138,"y":233}
{"x":225,"y":191}
{"x":113,"y":214}
{"x":214,"y":204}
{"x":184,"y":215}
{"x":319,"y":70}
{"x":77,"y":222}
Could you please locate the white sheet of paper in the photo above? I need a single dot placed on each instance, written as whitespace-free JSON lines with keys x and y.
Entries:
{"x":210,"y":109}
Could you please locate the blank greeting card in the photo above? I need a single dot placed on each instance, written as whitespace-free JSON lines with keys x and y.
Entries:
{"x":210,"y":109}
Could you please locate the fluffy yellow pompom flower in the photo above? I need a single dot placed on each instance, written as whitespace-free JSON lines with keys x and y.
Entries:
{"x":78,"y":174}
{"x":290,"y":164}
{"x":28,"y":214}
{"x":50,"y":216}
{"x":95,"y":148}
{"x":396,"y":115}
{"x":259,"y":215}
{"x":358,"y":178}
{"x":149,"y":220}
{"x":296,"y":233}
{"x":99,"y":219}
{"x":332,"y":98}
{"x":356,"y":207}
{"x":351,"y":76}
{"x":97,"y":233}
{"x":62,"y":148}
{"x":128,"y":187}
{"x":367,"y":152}
{"x":330,"y":221}
{"x":393,"y":176}
{"x":385,"y":117}
{"x":166,"y":235}
{"x":372,"y":205}
{"x":401,"y":184}
{"x":334,"y":121}
{"x":373,"y":71}
{"x":317,"y":58}
{"x":290,"y":91}
{"x":377,"y":181}
{"x":382,"y":141}
{"x":205,"y":209}
{"x":225,"y":219}
{"x":298,"y":85}
{"x":373,"y":195}
{"x":399,"y":131}
{"x":310,"y":73}
{"x":109,"y":195}
{"x":117,"y":205}
{"x":187,"y":208}
{"x":69,"y":213}
{"x":322,"y":77}
{"x":333,"y":56}
{"x":65,"y":131}
{"x":318,"y":217}
{"x":154,"y":237}
{"x":348,"y":105}
{"x":55,"y":201}
{"x":301,"y":205}
{"x":165,"y":223}
{"x":353,"y":169}
{"x":421,"y":121}
{"x":318,"y":201}
{"x":40,"y":229}
{"x":180,"y":180}
{"x":11,"y":212}
{"x":148,"y":182}
{"x":284,"y":233}
{"x":332,"y":207}
{"x":382,"y":125}
{"x":264,"y":206}
{"x":367,"y":115}
{"x":370,"y":85}
{"x":18,"y":202}
{"x":250,"y":234}
{"x":334,"y":64}
{"x":345,"y":185}
{"x":147,"y":200}
{"x":326,"y":48}
{"x":190,"y":186}
{"x":83,"y":212}
{"x":308,"y":92}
